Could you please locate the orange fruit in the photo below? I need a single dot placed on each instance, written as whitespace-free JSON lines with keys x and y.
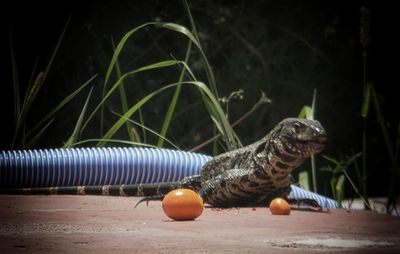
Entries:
{"x":182,"y":204}
{"x":279,"y":206}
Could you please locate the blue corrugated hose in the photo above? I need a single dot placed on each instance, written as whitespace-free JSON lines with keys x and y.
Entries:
{"x":108,"y":166}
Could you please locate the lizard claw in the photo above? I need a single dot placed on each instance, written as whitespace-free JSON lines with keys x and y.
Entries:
{"x":304,"y":204}
{"x":148,"y":199}
{"x":140,"y":201}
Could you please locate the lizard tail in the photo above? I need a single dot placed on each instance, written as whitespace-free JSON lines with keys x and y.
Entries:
{"x":104,"y":171}
{"x":152,"y":189}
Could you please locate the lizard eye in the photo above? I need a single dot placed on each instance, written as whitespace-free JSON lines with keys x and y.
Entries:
{"x":297,"y":127}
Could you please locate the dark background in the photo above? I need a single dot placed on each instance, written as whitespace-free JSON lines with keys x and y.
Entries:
{"x":284,"y":48}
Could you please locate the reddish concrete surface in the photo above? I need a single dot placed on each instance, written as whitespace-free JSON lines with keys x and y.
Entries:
{"x":98,"y":224}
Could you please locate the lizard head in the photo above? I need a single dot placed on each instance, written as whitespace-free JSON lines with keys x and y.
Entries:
{"x":302,"y":137}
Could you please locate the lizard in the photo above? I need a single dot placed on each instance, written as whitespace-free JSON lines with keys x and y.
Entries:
{"x":251,"y":175}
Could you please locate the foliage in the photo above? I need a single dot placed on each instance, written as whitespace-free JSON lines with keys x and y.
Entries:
{"x":308,"y":113}
{"x":339,"y":172}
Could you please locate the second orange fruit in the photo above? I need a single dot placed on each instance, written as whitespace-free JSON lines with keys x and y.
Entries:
{"x":279,"y":206}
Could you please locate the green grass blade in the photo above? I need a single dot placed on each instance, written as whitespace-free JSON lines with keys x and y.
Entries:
{"x":183,"y":30}
{"x":381,"y":121}
{"x":174,"y":101}
{"x":31,"y":82}
{"x":65,"y":101}
{"x":119,"y":47}
{"x":303,"y":180}
{"x":125,"y":142}
{"x":161,"y":64}
{"x":32,"y":142}
{"x":53,"y":55}
{"x":366,"y":102}
{"x":141,"y":119}
{"x":339,"y":189}
{"x":313,"y":105}
{"x":123,"y":98}
{"x":209,"y":100}
{"x":219,"y":118}
{"x":305,"y":112}
{"x":331,"y":159}
{"x":173,"y":27}
{"x":37,"y":86}
{"x":27,"y":105}
{"x":314,"y":173}
{"x":208,"y":69}
{"x":17,"y":100}
{"x":42,"y":76}
{"x":110,"y":133}
{"x":312,"y":157}
{"x":111,"y":66}
{"x":333,"y":183}
{"x":169,"y":114}
{"x":263,"y":100}
{"x":75,"y":134}
{"x":356,"y":189}
{"x":308,"y":113}
{"x":150,"y":130}
{"x":170,"y":26}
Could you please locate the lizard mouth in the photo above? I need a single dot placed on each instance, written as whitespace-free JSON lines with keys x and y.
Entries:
{"x":316,"y":144}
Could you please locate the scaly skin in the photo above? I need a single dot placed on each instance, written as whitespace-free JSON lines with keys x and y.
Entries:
{"x":257,"y":173}
{"x":251,"y":175}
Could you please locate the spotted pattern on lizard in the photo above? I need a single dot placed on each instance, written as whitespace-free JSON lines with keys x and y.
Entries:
{"x":252,"y":175}
{"x":257,"y":173}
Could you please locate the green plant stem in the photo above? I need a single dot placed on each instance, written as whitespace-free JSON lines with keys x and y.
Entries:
{"x":364,"y":130}
{"x":264,"y":99}
{"x":174,"y":100}
{"x":34,"y":90}
{"x":123,"y":98}
{"x":314,"y":173}
{"x":364,"y":179}
{"x":382,"y":124}
{"x":356,"y":190}
{"x":313,"y":163}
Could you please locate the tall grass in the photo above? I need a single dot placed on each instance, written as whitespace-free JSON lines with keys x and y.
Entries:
{"x":207,"y":93}
{"x":308,"y":112}
{"x":23,"y":138}
{"x":339,"y":175}
{"x":364,"y":42}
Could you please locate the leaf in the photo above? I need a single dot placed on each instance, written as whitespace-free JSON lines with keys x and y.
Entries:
{"x":333,"y":183}
{"x":110,"y":133}
{"x":65,"y":101}
{"x":305,"y":112}
{"x":151,"y":131}
{"x":209,"y":100}
{"x":124,"y":99}
{"x":34,"y":140}
{"x":303,"y":180}
{"x":174,"y":100}
{"x":327,"y":169}
{"x":75,"y":134}
{"x":339,"y":188}
{"x":111,"y":141}
{"x":331,"y":159}
{"x":161,"y":64}
{"x":366,"y":101}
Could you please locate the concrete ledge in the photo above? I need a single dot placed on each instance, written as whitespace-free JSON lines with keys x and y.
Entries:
{"x":99,"y":224}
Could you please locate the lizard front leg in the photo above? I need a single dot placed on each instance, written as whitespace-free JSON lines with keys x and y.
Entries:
{"x":189,"y":182}
{"x":233,"y":188}
{"x":228,"y":189}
